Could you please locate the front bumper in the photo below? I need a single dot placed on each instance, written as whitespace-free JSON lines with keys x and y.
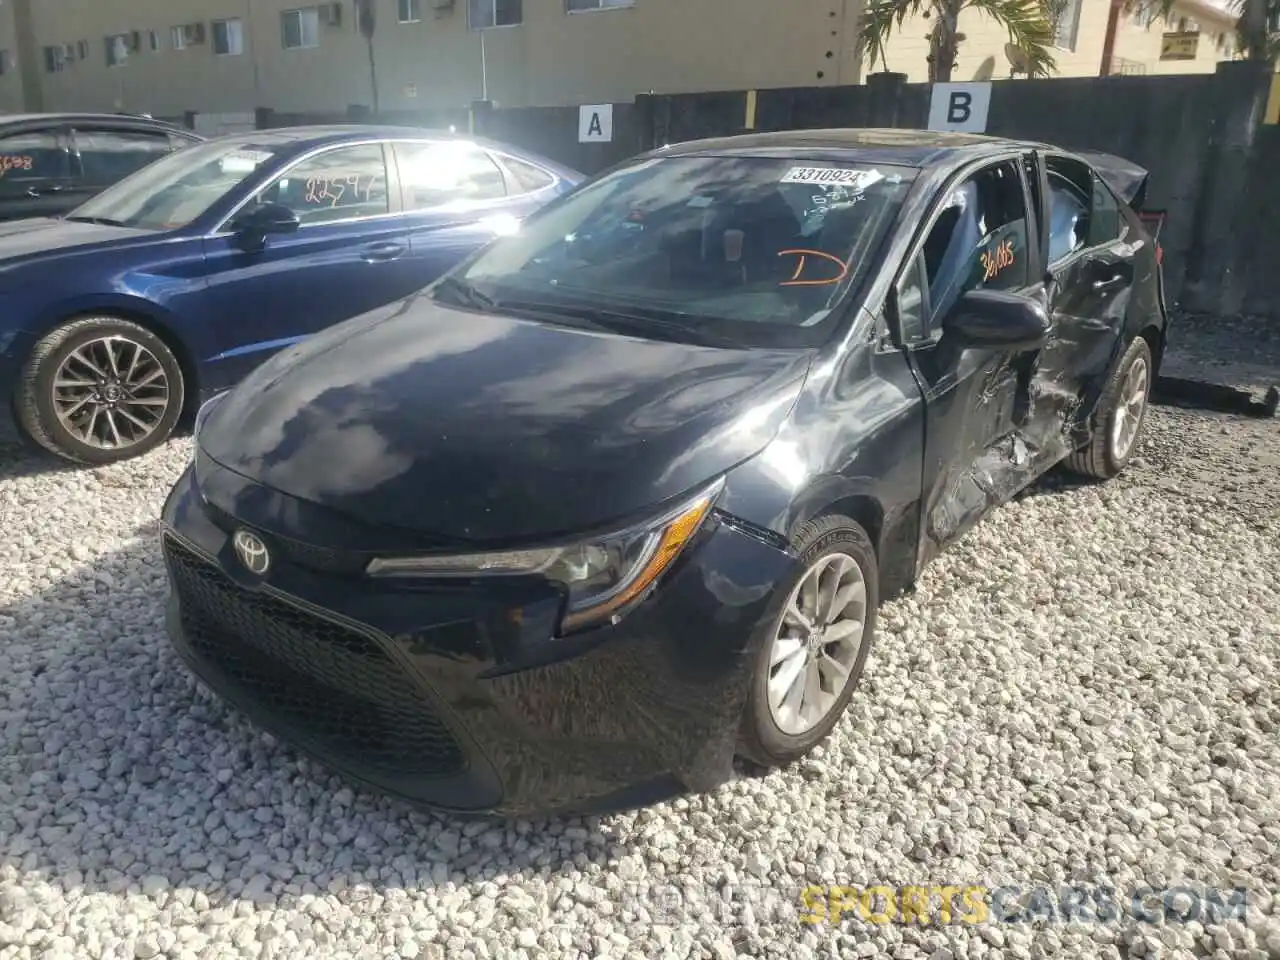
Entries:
{"x":456,"y":696}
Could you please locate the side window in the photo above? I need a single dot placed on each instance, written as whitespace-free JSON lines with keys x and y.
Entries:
{"x":528,"y":177}
{"x":107,"y":156}
{"x":1069,"y":218}
{"x":38,"y":155}
{"x":340,"y":184}
{"x":979,"y":239}
{"x":1104,"y":217}
{"x":447,"y":172}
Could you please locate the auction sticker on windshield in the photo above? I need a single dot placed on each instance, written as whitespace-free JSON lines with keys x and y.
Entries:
{"x":832,"y":175}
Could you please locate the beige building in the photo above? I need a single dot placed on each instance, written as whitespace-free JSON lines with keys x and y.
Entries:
{"x":166,"y":57}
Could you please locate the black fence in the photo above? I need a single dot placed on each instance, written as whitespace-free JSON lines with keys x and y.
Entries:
{"x":1211,"y":160}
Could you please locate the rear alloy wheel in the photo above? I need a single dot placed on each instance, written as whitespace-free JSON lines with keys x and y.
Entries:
{"x":100,"y":390}
{"x":1122,"y":410}
{"x":810,"y":664}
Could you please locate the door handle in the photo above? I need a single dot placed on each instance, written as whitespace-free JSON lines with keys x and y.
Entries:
{"x":377,"y":252}
{"x":41,"y":191}
{"x":1108,"y":284}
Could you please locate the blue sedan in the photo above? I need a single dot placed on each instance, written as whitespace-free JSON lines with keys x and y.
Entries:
{"x":180,"y":279}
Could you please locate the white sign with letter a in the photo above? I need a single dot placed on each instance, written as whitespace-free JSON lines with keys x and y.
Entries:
{"x":960,"y":107}
{"x":595,"y":123}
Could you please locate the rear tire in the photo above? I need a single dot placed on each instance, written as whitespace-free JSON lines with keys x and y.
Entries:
{"x":100,"y":390}
{"x":1118,"y":420}
{"x":812,"y":658}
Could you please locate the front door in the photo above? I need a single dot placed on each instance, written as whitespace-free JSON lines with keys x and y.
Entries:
{"x":343,"y":260}
{"x":35,"y":174}
{"x":976,"y":452}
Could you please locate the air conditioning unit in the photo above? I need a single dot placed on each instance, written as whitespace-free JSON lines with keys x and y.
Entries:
{"x":331,"y":14}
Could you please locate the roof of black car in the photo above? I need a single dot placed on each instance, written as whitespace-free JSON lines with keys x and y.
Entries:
{"x":916,"y":148}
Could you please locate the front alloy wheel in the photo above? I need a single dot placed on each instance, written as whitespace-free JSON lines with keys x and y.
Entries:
{"x":810,"y":663}
{"x":100,"y":390}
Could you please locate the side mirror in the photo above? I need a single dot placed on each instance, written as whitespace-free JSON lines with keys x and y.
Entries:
{"x":256,"y":225}
{"x":997,"y":320}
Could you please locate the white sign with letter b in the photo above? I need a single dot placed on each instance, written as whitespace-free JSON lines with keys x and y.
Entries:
{"x":960,"y":107}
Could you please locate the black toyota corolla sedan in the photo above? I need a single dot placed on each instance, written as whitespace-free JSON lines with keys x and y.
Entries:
{"x":614,"y":503}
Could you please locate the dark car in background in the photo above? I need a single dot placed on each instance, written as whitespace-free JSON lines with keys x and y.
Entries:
{"x":616,"y":500}
{"x":51,"y":163}
{"x":180,"y":279}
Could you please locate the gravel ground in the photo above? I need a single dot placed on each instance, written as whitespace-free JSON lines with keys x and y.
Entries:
{"x":1083,"y":691}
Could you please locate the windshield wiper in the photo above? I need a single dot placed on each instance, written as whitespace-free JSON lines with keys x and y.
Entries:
{"x":619,"y":321}
{"x":104,"y":221}
{"x":468,"y":295}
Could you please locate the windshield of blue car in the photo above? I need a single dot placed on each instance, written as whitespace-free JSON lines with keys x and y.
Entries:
{"x":177,"y":189}
{"x":758,"y":250}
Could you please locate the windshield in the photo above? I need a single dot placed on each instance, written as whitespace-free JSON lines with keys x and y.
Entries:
{"x":174,"y":191}
{"x":755,"y":249}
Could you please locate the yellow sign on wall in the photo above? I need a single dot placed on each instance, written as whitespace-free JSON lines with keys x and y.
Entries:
{"x":1179,"y":46}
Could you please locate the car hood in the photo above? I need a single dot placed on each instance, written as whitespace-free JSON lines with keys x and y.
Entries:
{"x":480,"y":427}
{"x":42,"y":235}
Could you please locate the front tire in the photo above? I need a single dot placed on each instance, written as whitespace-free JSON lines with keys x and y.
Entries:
{"x":810,"y":663}
{"x":1117,"y":423}
{"x":100,"y":390}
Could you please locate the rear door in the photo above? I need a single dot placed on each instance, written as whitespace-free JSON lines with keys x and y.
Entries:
{"x":980,"y":235}
{"x":346,"y":258}
{"x":456,"y":199}
{"x":103,"y":155}
{"x":1092,"y":266}
{"x":35,"y":173}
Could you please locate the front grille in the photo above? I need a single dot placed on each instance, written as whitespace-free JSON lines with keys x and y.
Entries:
{"x":338,"y":687}
{"x":306,"y":555}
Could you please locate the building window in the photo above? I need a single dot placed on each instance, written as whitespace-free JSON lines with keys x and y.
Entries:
{"x":117,"y":47}
{"x":410,"y":11}
{"x":300,"y":29}
{"x":1068,"y":29}
{"x":580,"y":6}
{"x":55,"y":59}
{"x":482,"y":14}
{"x":82,"y":49}
{"x":228,"y":37}
{"x":187,"y":35}
{"x":153,"y":41}
{"x":6,"y":62}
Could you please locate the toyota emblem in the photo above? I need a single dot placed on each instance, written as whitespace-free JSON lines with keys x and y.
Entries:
{"x":252,"y":552}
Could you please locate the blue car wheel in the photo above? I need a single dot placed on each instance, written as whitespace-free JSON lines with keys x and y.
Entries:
{"x":100,"y":389}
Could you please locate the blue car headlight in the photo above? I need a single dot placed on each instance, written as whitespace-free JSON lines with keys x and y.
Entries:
{"x":603,"y":576}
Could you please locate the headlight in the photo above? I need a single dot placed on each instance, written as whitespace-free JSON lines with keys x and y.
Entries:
{"x":602,"y":576}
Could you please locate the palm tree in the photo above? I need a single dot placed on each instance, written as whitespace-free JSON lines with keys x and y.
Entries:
{"x":1027,"y":22}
